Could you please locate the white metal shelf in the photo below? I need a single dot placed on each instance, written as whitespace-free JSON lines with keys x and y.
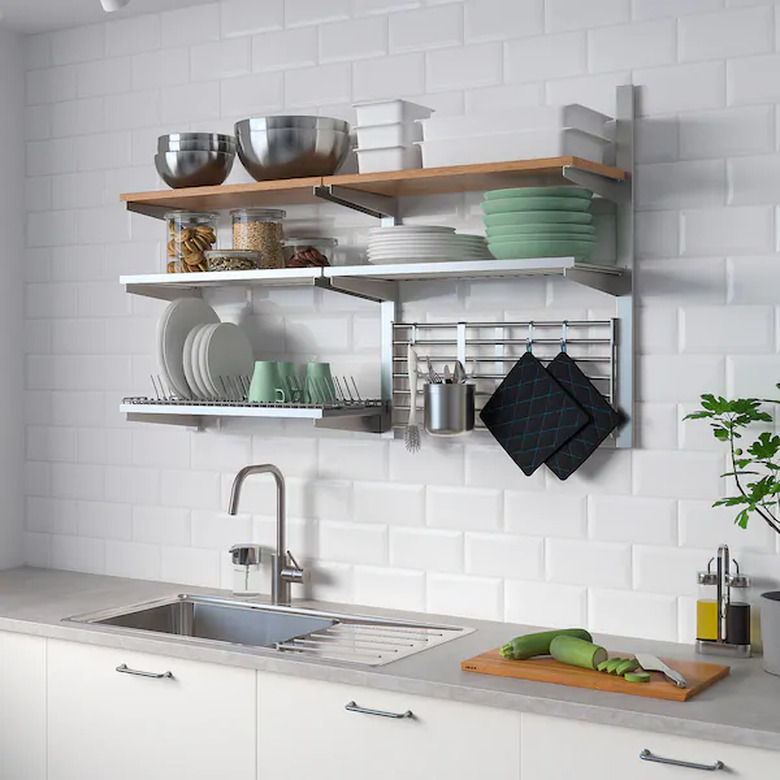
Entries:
{"x":367,"y":418}
{"x":367,"y":279}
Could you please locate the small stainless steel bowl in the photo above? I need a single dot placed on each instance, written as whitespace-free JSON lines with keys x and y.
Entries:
{"x":190,"y":168}
{"x":197,"y":146}
{"x":290,"y":152}
{"x":204,"y":141}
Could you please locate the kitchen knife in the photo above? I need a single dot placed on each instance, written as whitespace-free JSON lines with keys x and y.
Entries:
{"x":651,"y":663}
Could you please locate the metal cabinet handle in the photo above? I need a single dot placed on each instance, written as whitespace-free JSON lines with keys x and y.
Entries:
{"x":125,"y":669}
{"x":646,"y":755}
{"x":352,"y":707}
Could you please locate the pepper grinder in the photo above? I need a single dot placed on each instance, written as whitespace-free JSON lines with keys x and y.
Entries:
{"x":722,"y":624}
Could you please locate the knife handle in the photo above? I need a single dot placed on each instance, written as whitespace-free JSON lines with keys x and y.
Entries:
{"x":676,"y":678}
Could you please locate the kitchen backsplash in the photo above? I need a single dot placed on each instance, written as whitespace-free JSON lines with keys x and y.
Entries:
{"x":457,"y":528}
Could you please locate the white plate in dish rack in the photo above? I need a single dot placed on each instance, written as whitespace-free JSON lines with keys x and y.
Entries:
{"x":187,"y":363}
{"x":226,"y":353}
{"x":198,"y":360}
{"x":181,"y":316}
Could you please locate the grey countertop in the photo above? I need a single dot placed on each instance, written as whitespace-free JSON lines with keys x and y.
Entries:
{"x":742,"y":709}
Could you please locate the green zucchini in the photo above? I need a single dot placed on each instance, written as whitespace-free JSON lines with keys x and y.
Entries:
{"x":638,"y":677}
{"x":577,"y":652}
{"x":628,"y":665}
{"x":530,"y":645}
{"x":602,"y":667}
{"x":612,"y":665}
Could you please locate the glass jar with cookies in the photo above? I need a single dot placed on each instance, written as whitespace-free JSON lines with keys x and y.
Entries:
{"x":190,"y":236}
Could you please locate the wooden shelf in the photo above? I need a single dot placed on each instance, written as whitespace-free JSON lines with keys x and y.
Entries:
{"x":415,"y":182}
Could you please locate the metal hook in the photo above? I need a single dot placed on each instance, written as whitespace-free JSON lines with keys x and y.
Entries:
{"x":564,"y":333}
{"x":530,"y":338}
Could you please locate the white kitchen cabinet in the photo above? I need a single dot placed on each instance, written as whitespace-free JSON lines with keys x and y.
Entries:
{"x":306,"y":730}
{"x":199,"y":723}
{"x":554,"y":748}
{"x":22,"y":707}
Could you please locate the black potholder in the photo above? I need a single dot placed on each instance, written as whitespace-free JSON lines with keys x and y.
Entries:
{"x":531,"y":415}
{"x":604,"y":419}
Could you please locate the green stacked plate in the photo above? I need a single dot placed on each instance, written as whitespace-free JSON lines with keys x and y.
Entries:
{"x":539,"y":222}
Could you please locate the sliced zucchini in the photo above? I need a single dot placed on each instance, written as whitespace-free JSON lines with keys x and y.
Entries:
{"x":577,"y":652}
{"x":613,"y":664}
{"x":628,"y":665}
{"x":638,"y":677}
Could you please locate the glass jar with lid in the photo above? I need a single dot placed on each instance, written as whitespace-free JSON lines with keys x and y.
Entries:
{"x":190,"y":235}
{"x":309,"y":252}
{"x":260,"y":230}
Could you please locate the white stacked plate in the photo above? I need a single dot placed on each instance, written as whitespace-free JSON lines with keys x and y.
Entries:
{"x":423,"y":243}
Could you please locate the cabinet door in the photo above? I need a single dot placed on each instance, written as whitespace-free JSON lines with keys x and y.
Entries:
{"x":22,"y":707}
{"x":305,"y":730}
{"x":198,"y":723}
{"x":554,"y":748}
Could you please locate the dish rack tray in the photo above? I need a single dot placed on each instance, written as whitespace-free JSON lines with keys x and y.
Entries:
{"x":488,"y":350}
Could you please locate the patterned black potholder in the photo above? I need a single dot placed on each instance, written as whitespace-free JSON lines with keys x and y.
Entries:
{"x":531,"y":415}
{"x":604,"y":419}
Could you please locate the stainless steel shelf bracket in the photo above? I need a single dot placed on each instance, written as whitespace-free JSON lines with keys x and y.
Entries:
{"x":615,"y":191}
{"x":612,"y":284}
{"x":376,"y":290}
{"x":379,"y":206}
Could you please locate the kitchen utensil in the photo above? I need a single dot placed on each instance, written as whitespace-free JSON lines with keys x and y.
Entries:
{"x":541,"y":247}
{"x":433,"y":376}
{"x":385,"y":112}
{"x":319,"y":385}
{"x":205,"y":391}
{"x":189,"y":356}
{"x":535,"y":217}
{"x":549,"y":118}
{"x":699,"y":675}
{"x":651,"y":663}
{"x":449,"y":409}
{"x":292,"y":147}
{"x":531,"y":230}
{"x":412,"y":432}
{"x":603,"y":418}
{"x":531,"y":415}
{"x":218,"y":142}
{"x":194,"y":168}
{"x":459,"y":374}
{"x":514,"y":145}
{"x":178,"y":319}
{"x":227,"y":352}
{"x":535,"y":192}
{"x":537,"y":203}
{"x":391,"y":158}
{"x":266,"y":383}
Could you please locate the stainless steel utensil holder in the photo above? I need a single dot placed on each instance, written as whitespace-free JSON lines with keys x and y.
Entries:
{"x":449,"y":408}
{"x":488,"y":350}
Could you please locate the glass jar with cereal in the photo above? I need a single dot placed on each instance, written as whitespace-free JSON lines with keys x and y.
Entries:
{"x":260,"y":230}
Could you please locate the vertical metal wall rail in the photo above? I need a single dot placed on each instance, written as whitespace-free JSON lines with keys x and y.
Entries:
{"x":387,"y":313}
{"x":625,"y":113}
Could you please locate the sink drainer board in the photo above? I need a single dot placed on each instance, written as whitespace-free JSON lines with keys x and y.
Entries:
{"x":308,"y":633}
{"x":698,"y":675}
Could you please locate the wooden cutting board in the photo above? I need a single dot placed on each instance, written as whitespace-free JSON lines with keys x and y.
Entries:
{"x":699,"y":675}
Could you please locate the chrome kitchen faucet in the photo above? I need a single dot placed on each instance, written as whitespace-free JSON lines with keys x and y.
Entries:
{"x":284,"y":568}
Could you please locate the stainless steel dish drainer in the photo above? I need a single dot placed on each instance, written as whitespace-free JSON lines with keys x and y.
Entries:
{"x":488,"y":350}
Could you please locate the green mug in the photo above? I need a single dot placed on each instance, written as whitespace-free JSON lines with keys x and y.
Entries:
{"x":319,"y":384}
{"x":290,"y":381}
{"x":266,"y":386}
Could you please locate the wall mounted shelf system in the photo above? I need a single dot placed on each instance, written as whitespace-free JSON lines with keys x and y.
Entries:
{"x":377,"y":194}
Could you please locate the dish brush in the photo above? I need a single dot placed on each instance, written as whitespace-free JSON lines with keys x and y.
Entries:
{"x":412,"y":432}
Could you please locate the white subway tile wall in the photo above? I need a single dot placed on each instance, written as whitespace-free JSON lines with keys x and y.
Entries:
{"x":456,"y":528}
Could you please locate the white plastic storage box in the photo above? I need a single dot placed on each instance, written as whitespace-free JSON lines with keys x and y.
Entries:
{"x":393,"y":158}
{"x":385,"y":136}
{"x":551,"y":118}
{"x":388,"y":112}
{"x":501,"y":147}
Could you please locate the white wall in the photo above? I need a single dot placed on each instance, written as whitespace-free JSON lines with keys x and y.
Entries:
{"x":11,"y":296}
{"x":456,"y":528}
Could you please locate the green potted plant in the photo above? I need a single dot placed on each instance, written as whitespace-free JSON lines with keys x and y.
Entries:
{"x":755,"y":475}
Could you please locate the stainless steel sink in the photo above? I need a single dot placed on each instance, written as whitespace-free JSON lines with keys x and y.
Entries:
{"x":358,"y":639}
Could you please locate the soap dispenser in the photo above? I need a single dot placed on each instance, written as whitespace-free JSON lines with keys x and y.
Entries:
{"x":246,"y":569}
{"x":723,"y":621}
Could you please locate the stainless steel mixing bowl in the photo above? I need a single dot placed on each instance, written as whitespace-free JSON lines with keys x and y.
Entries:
{"x":193,"y":168}
{"x":287,"y":147}
{"x":196,"y":142}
